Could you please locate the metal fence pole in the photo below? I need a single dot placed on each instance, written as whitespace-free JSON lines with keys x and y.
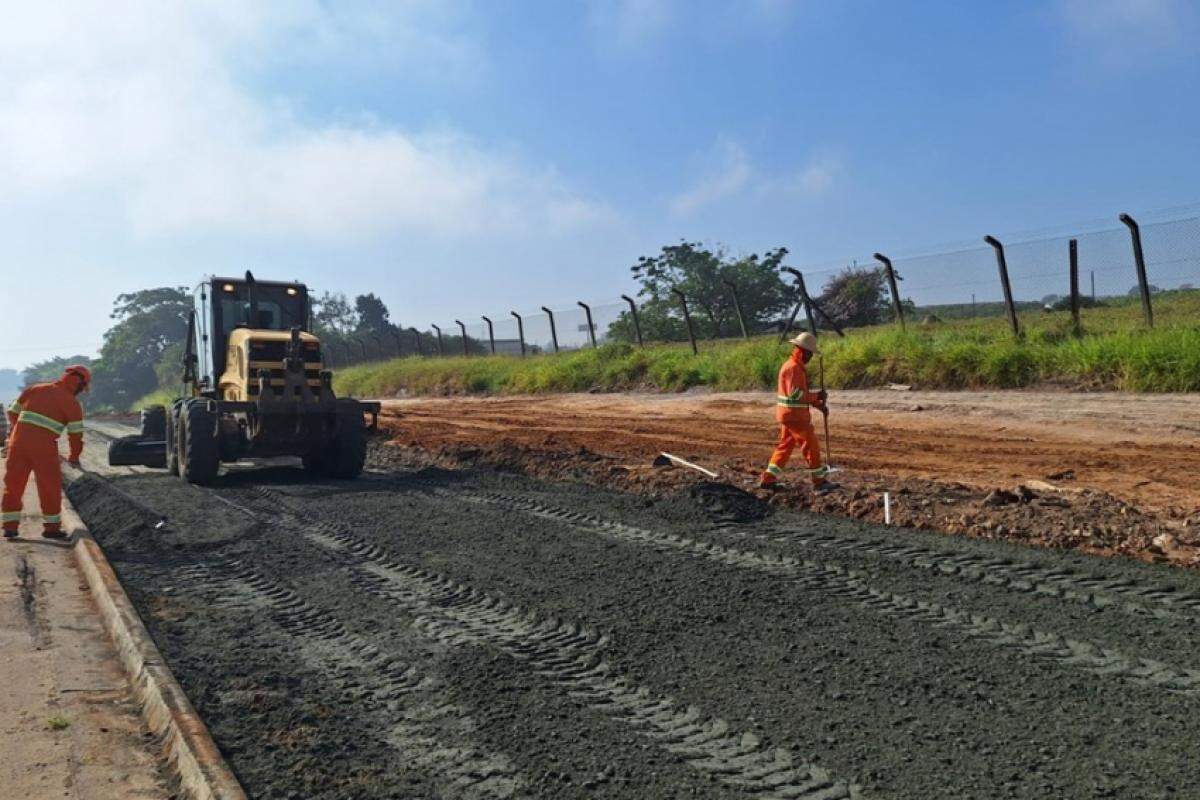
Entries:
{"x":420,"y":346}
{"x":805,"y":301}
{"x":1073,"y":255}
{"x":1139,"y":260}
{"x":1002,"y":265}
{"x":363,"y":345}
{"x":491,"y":335}
{"x":591,"y":326}
{"x":520,"y":331}
{"x":379,"y":344}
{"x":553,"y":330}
{"x":637,"y":325}
{"x":349,"y":354}
{"x":687,"y":320}
{"x":440,"y":351}
{"x":891,"y":278}
{"x":463,"y":329}
{"x":399,"y":342}
{"x":737,"y":305}
{"x":1093,"y":273}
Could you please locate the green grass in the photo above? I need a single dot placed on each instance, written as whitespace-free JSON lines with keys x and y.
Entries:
{"x":58,"y":723}
{"x":1115,"y":351}
{"x":159,"y":397}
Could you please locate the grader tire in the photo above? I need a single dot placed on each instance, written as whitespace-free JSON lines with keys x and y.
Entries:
{"x":201,"y":457}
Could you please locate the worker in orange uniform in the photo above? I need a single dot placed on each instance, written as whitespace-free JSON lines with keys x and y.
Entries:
{"x":792,"y":403}
{"x":35,"y":421}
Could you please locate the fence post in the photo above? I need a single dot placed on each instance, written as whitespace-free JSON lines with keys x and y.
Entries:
{"x":1139,"y":261}
{"x":420,"y":346}
{"x":399,"y":342}
{"x":891,"y":278}
{"x":441,"y":352}
{"x":491,"y":335}
{"x":637,"y":325}
{"x":687,"y":319}
{"x":1073,"y":253}
{"x":349,"y":356}
{"x":805,"y":301}
{"x":363,"y":345}
{"x":591,"y":326}
{"x":463,"y":328}
{"x":379,"y":344}
{"x":737,"y":304}
{"x":1002,"y":265}
{"x":520,"y":331}
{"x":553,"y":330}
{"x":327,"y":357}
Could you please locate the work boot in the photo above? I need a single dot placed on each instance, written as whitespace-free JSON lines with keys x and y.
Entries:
{"x":54,"y":533}
{"x":825,"y":487}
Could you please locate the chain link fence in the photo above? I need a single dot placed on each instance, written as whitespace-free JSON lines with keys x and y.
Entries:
{"x":1124,"y":264}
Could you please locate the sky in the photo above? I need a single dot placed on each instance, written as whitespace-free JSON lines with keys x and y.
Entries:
{"x":461,"y":158}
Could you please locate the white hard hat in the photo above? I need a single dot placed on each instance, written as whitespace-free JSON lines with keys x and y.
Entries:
{"x":807,"y":341}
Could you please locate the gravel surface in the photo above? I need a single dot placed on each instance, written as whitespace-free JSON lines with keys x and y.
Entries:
{"x":479,"y":634}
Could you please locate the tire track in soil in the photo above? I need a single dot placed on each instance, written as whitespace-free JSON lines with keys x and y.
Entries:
{"x":426,"y":718}
{"x":1021,"y":576}
{"x":838,"y":581}
{"x":569,"y":656}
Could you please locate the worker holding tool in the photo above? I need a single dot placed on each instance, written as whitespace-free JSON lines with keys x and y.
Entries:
{"x":35,"y":421}
{"x":792,"y":403}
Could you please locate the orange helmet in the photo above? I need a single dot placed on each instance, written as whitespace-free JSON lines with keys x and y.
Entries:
{"x":83,"y":373}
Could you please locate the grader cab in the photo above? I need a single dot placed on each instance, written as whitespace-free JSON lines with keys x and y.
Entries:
{"x":254,"y":386}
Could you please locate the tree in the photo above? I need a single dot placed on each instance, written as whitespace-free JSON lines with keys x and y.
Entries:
{"x":51,"y":369}
{"x":700,"y":273}
{"x":372,"y":315}
{"x":148,"y":323}
{"x":333,"y":315}
{"x":856,"y":296}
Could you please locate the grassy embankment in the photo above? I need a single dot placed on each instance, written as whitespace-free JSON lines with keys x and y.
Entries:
{"x":1115,"y":352}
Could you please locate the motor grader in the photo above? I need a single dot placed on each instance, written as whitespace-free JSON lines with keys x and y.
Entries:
{"x":254,"y":385}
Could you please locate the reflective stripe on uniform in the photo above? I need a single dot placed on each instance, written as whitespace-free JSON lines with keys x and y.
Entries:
{"x":788,"y":402}
{"x":52,"y":519}
{"x":10,"y":516}
{"x":42,"y":421}
{"x":75,"y":427}
{"x":774,"y":470}
{"x":15,"y":407}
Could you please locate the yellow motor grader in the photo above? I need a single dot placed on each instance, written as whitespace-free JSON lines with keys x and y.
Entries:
{"x":254,"y":385}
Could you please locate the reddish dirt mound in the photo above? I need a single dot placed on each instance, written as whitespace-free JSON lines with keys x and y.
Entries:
{"x":1105,"y":473}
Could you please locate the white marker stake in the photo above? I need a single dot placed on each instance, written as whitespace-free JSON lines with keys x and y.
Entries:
{"x":887,"y":508}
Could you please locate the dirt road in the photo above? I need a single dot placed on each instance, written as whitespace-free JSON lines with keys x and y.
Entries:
{"x":478,"y":634}
{"x":1109,"y":472}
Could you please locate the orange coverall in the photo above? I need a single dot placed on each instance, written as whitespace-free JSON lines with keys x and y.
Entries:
{"x":792,"y":402}
{"x":35,"y":421}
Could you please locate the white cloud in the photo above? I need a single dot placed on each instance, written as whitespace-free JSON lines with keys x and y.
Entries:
{"x":1121,"y":30}
{"x":627,"y":23}
{"x":729,"y":175}
{"x":139,"y":102}
{"x":817,"y":176}
{"x":732,"y":172}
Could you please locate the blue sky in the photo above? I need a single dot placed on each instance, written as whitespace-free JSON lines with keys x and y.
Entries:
{"x":461,"y":158}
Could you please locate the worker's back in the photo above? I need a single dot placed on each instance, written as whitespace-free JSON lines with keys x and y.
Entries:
{"x":44,"y":412}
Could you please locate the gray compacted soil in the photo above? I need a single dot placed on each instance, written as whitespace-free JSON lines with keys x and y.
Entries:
{"x":439,"y":634}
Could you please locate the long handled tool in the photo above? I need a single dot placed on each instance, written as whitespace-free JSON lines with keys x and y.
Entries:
{"x":825,"y":416}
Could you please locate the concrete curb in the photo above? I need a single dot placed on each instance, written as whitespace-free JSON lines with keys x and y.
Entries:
{"x":191,"y":753}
